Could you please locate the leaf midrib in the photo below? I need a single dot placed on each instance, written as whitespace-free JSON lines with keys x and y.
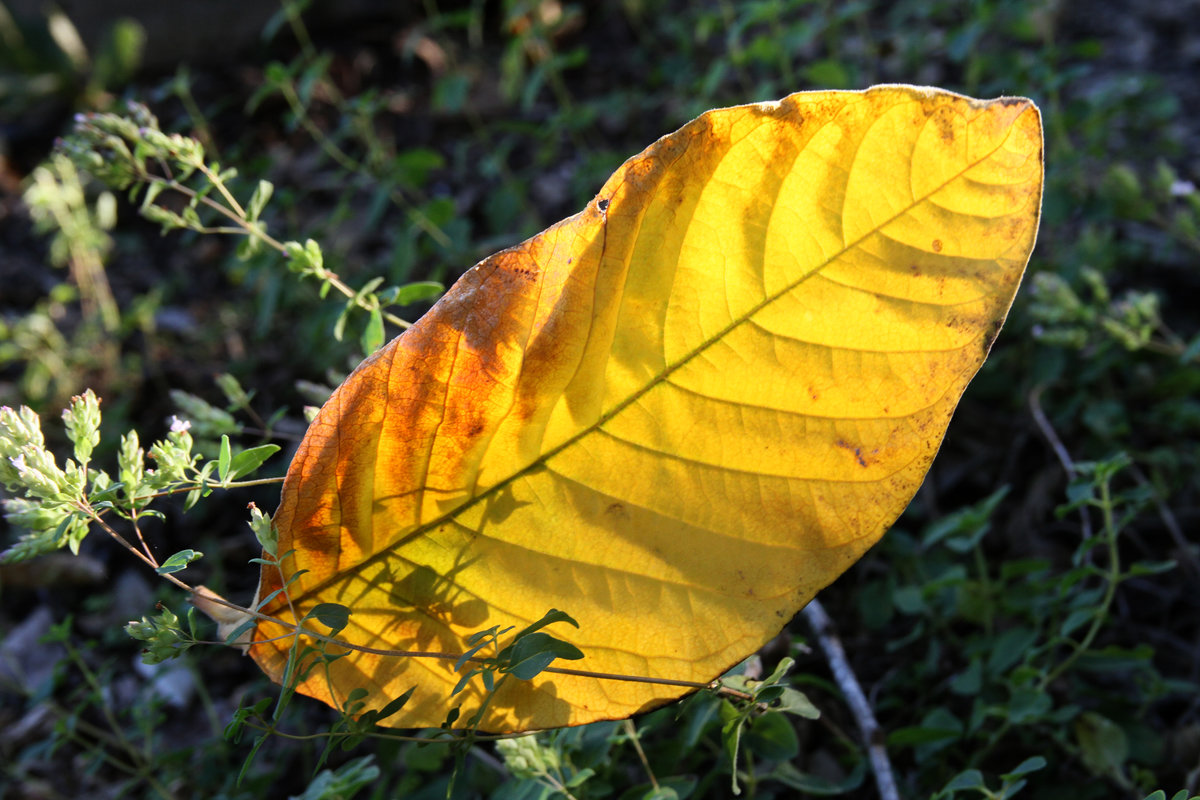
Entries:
{"x":620,"y":407}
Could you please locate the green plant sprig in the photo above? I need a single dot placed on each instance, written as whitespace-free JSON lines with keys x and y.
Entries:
{"x":1131,"y":320}
{"x":131,"y":153}
{"x":758,"y":697}
{"x":108,"y":741}
{"x":57,"y":505}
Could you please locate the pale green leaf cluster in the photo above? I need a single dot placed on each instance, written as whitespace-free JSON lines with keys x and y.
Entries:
{"x":1132,"y":319}
{"x":48,"y":498}
{"x":528,"y":758}
{"x":56,"y":505}
{"x":164,"y":636}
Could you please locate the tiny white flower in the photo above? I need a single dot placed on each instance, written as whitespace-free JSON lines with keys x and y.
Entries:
{"x":179,"y":425}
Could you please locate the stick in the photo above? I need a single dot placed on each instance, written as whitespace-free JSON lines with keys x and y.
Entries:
{"x":1060,"y":450}
{"x":872,"y":734}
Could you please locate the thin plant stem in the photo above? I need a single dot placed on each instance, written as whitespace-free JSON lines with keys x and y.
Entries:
{"x":133,"y":521}
{"x":1060,"y":450}
{"x":1112,"y":579}
{"x":631,"y":732}
{"x":236,"y":214}
{"x":146,"y":558}
{"x":139,"y":766}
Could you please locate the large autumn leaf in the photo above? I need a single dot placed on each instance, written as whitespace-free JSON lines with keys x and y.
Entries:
{"x":676,"y":415}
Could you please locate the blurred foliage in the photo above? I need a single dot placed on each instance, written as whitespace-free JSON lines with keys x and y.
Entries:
{"x":45,"y":60}
{"x":1027,"y":627}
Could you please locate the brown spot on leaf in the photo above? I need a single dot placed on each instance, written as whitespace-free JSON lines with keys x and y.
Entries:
{"x":945,"y":127}
{"x":937,"y":245}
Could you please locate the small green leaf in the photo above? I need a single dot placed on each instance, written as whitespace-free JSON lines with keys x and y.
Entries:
{"x":731,"y":733}
{"x":464,"y":680}
{"x":917,"y":734}
{"x":579,"y":777}
{"x":249,"y":460}
{"x":1076,"y":619}
{"x":781,"y":669}
{"x":479,"y":636}
{"x":233,"y":391}
{"x":339,"y":325}
{"x":372,"y":336}
{"x":239,"y":630}
{"x":313,"y":250}
{"x":1027,"y":705}
{"x":532,"y":653}
{"x":1141,"y":568}
{"x":789,"y":775}
{"x":549,"y":618}
{"x":247,"y":247}
{"x":1009,"y":648}
{"x":179,"y":561}
{"x":332,"y":615}
{"x":395,"y":705}
{"x":773,"y":737}
{"x":153,"y":190}
{"x":367,"y":288}
{"x":1032,"y":764}
{"x":793,"y":701}
{"x":417,"y":292}
{"x":1102,"y":742}
{"x":477,"y":644}
{"x":258,"y":201}
{"x":969,"y":779}
{"x":224,"y":459}
{"x":661,"y":793}
{"x":969,"y":681}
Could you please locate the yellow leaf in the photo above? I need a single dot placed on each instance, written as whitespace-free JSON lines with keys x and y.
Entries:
{"x":676,"y":415}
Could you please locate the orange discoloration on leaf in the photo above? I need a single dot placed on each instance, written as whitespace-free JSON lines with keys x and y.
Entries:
{"x":676,"y":415}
